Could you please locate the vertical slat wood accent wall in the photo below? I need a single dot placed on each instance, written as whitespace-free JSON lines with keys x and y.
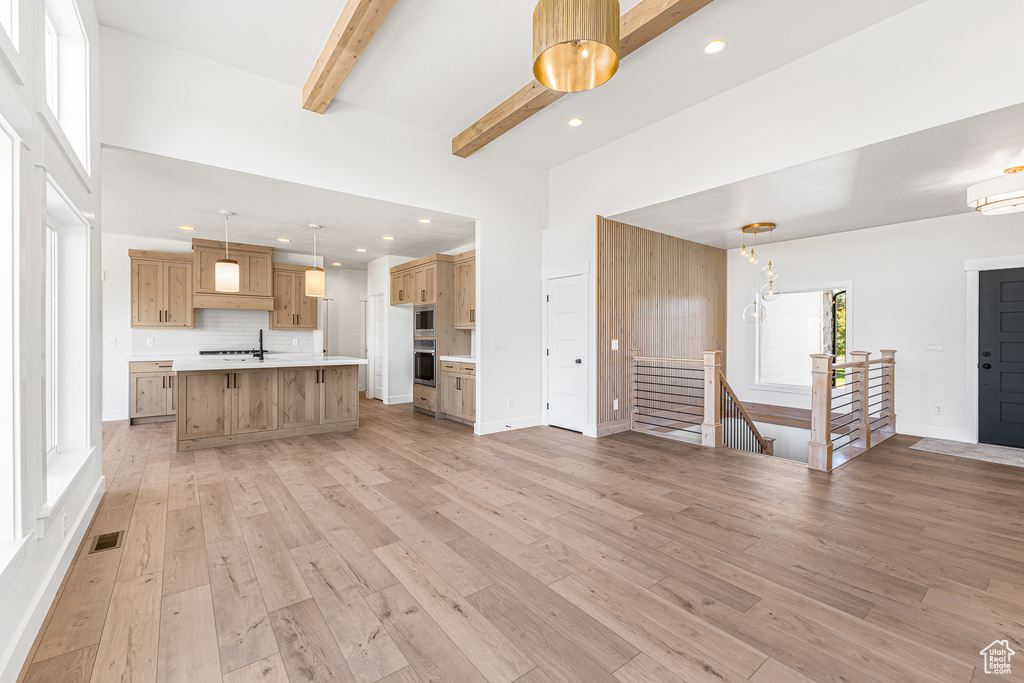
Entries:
{"x":662,"y":295}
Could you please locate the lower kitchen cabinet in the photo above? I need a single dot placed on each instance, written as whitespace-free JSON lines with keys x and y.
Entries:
{"x":457,"y":391}
{"x":220,"y":407}
{"x":151,"y":392}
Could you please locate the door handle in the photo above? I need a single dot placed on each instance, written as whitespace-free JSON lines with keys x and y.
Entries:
{"x":579,"y":361}
{"x":986,"y":366}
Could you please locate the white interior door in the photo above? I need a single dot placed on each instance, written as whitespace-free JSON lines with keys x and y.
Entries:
{"x":568,"y":353}
{"x":378,"y":346}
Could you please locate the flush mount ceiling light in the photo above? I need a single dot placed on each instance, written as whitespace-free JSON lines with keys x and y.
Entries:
{"x":1004,"y":194}
{"x":426,"y":220}
{"x":283,"y":239}
{"x":225,"y":271}
{"x":575,"y":43}
{"x":186,"y":227}
{"x":388,"y":237}
{"x":714,"y":47}
{"x":575,"y":123}
{"x":361,"y":251}
{"x":335,"y":264}
{"x":315,"y":280}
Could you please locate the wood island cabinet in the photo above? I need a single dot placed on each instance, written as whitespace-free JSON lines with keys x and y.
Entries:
{"x":222,"y":407}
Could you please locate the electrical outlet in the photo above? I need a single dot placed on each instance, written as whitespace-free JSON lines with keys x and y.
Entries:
{"x":934,"y":346}
{"x":149,"y":341}
{"x":63,"y":526}
{"x":938,"y":410}
{"x":110,"y":342}
{"x":499,"y":345}
{"x":510,"y":403}
{"x":615,"y":404}
{"x":295,"y":342}
{"x":615,"y":344}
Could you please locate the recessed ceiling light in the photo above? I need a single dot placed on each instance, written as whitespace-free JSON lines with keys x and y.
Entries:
{"x":388,"y":237}
{"x":362,"y":251}
{"x":714,"y":47}
{"x":283,"y":239}
{"x":575,"y":123}
{"x":335,"y":264}
{"x":426,"y":220}
{"x":186,"y":227}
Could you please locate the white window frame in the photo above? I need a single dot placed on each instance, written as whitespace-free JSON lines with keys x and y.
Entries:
{"x":51,"y":48}
{"x":66,"y":106}
{"x":756,"y":383}
{"x":52,"y":338}
{"x":10,"y":463}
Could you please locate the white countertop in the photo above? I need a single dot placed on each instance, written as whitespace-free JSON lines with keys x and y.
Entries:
{"x":459,"y":359}
{"x":198,"y":364}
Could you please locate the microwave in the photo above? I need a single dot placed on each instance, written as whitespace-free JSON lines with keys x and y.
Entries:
{"x":423,"y":321}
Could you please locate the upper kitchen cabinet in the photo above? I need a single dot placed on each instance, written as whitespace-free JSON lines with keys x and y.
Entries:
{"x":418,"y":282}
{"x":425,"y":284}
{"x":255,"y":282}
{"x":465,"y":291}
{"x":161,"y":289}
{"x":293,"y":310}
{"x":403,"y":282}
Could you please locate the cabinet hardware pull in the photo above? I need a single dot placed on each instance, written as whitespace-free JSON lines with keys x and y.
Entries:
{"x":164,"y":382}
{"x":423,"y":295}
{"x":472,"y":315}
{"x":228,"y":377}
{"x":160,"y":316}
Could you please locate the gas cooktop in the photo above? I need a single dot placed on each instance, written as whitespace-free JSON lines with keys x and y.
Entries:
{"x":247,"y":352}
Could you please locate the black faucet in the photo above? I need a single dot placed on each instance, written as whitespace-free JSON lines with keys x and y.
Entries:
{"x":260,"y":352}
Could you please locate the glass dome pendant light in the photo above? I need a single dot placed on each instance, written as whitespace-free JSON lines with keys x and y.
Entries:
{"x":769,"y":272}
{"x":315,"y":280}
{"x":225,"y":271}
{"x":769,"y":292}
{"x":755,"y":313}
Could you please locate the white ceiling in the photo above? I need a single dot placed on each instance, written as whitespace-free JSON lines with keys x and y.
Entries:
{"x":150,"y":196}
{"x":917,"y":176}
{"x":440,"y":65}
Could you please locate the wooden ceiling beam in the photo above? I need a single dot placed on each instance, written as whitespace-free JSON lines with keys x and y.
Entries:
{"x":359,"y":21}
{"x":639,"y":26}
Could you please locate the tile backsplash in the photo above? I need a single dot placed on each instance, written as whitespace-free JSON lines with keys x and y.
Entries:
{"x":217,"y":329}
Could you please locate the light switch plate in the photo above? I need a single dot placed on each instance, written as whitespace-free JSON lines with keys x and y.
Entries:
{"x":110,"y":342}
{"x":615,"y":344}
{"x":499,"y":345}
{"x":934,"y":346}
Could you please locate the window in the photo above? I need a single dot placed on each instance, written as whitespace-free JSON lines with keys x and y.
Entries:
{"x":52,"y":45}
{"x":52,"y":335}
{"x":9,"y":465}
{"x":797,"y":325}
{"x":67,"y":73}
{"x":9,"y":19}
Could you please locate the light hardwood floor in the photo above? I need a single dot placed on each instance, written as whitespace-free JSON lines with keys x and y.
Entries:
{"x":411,"y":551}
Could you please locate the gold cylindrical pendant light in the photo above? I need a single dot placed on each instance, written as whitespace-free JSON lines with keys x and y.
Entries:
{"x":575,"y":43}
{"x":316,"y":284}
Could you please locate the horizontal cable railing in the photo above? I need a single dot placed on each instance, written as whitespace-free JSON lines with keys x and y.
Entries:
{"x":852,"y":407}
{"x":689,"y":399}
{"x":668,"y":396}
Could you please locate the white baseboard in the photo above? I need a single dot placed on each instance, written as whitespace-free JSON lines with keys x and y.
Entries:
{"x":931,"y":431}
{"x":33,"y":621}
{"x":506,"y":425}
{"x":396,"y":400}
{"x":114,"y":415}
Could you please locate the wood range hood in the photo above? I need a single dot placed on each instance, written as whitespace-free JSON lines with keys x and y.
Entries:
{"x":256,"y":276}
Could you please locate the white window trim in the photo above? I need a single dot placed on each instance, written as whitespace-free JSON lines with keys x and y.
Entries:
{"x":755,"y":384}
{"x":52,"y":336}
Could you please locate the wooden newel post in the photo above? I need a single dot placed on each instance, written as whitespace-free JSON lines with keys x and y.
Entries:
{"x":889,"y":407}
{"x":819,"y":448}
{"x":859,"y":392}
{"x":711,"y":428}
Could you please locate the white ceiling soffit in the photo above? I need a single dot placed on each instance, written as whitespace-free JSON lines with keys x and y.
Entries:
{"x":913,"y":177}
{"x":441,"y":65}
{"x":151,"y":196}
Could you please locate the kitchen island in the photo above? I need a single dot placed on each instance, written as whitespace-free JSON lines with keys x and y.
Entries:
{"x":231,"y":400}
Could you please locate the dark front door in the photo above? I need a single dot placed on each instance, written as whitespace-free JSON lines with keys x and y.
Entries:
{"x":1001,"y":357}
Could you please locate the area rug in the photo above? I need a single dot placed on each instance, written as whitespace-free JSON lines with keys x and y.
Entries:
{"x":975,"y":451}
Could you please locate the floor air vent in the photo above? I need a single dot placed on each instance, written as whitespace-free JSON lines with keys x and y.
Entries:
{"x":106,"y":542}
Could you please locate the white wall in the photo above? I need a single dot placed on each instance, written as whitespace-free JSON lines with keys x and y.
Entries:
{"x":191,"y":113}
{"x":908,"y":288}
{"x":902,"y":75}
{"x":346,"y":322}
{"x":32,"y":566}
